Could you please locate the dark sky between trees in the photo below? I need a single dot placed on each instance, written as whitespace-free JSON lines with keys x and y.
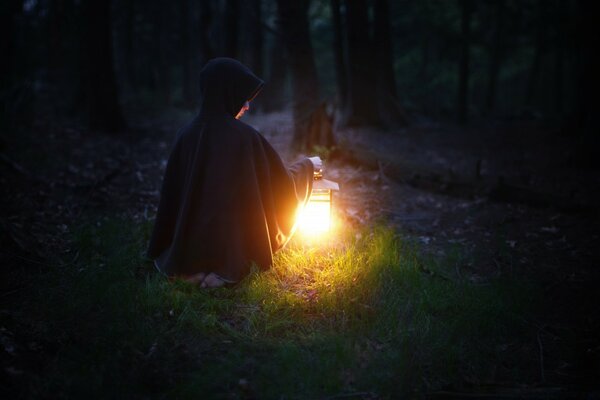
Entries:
{"x":378,"y":62}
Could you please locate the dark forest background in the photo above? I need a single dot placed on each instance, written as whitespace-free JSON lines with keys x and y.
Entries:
{"x":464,"y":137}
{"x":380,"y":62}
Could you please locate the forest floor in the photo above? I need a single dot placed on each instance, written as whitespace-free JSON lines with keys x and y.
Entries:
{"x":62,"y":182}
{"x":549,"y":244}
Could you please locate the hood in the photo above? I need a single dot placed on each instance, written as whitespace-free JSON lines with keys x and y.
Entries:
{"x":225,"y":85}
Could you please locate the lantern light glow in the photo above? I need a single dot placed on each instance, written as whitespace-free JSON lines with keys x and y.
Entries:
{"x":315,"y":218}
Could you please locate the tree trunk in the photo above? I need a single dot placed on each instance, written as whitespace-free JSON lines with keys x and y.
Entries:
{"x":559,"y":75}
{"x":310,"y":124}
{"x":560,"y":15}
{"x":463,"y":70}
{"x":496,"y":57}
{"x":338,"y":51}
{"x":256,"y":33}
{"x":231,"y":29}
{"x":390,"y":111}
{"x":588,"y":87}
{"x":536,"y":62}
{"x":162,"y":66}
{"x":423,"y":75}
{"x":56,"y":39}
{"x":361,"y":109}
{"x":186,"y":62}
{"x":103,"y":110}
{"x":129,"y":43}
{"x":384,"y":46}
{"x":253,"y":15}
{"x":8,"y":12}
{"x":9,"y":66}
{"x":207,"y":49}
{"x":272,"y":97}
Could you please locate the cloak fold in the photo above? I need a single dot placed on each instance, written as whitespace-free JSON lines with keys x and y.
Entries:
{"x":227,"y":199}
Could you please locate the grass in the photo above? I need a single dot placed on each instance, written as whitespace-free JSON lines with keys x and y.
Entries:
{"x":359,"y":314}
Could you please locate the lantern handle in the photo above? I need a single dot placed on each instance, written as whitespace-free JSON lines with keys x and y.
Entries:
{"x":317,"y":166}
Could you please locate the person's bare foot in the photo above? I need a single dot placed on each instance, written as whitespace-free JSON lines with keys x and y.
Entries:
{"x":197,"y":278}
{"x":213,"y":280}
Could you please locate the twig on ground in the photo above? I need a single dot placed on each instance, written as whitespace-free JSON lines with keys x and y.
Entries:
{"x":75,"y":257}
{"x":13,"y":237}
{"x":457,"y":268}
{"x":19,"y":168}
{"x":10,"y":292}
{"x":21,"y":243}
{"x":349,"y":395}
{"x":99,"y":183}
{"x":431,"y":273}
{"x":382,"y":176}
{"x":30,"y":260}
{"x":542,"y":393}
{"x":542,"y":372}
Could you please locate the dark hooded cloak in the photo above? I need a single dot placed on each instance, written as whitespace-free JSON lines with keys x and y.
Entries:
{"x":227,"y":199}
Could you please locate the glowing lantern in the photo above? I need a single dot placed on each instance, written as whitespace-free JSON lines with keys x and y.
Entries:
{"x":316,"y":216}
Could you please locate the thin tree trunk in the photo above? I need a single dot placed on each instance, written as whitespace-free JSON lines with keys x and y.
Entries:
{"x":257,"y":38}
{"x":390,"y":110}
{"x":103,"y":110}
{"x":162,"y":70}
{"x":536,"y":62}
{"x":186,"y":62}
{"x":8,"y":12}
{"x":56,"y":18}
{"x":207,"y":49}
{"x":463,"y":70}
{"x":255,"y":33}
{"x":423,"y":74}
{"x":384,"y":47}
{"x":559,"y":76}
{"x":361,"y":109}
{"x":8,"y":48}
{"x":66,"y":85}
{"x":338,"y":51}
{"x":588,"y":77}
{"x":231,"y":29}
{"x":497,"y":54}
{"x":273,"y":94}
{"x":561,"y":11}
{"x":129,"y":43}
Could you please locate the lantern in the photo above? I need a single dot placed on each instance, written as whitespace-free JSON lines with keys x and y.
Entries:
{"x":316,"y":216}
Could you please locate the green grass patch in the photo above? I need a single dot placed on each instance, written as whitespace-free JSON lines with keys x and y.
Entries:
{"x":356,"y":314}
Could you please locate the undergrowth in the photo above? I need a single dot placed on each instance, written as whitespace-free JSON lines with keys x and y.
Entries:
{"x":358,"y":314}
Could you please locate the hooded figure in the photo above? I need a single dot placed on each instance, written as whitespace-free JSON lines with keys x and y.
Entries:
{"x":227,"y":199}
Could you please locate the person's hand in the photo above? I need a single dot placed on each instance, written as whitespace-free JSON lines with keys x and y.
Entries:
{"x":317,"y":163}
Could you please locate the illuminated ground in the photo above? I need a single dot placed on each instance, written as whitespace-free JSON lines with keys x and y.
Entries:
{"x":413,"y":293}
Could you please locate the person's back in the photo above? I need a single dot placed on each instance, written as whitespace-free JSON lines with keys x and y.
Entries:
{"x":227,"y":199}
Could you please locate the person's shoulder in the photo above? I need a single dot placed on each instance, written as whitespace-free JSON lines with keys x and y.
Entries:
{"x":187,"y":129}
{"x":247,"y":131}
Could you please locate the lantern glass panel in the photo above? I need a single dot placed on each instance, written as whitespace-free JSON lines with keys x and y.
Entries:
{"x":316,"y":217}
